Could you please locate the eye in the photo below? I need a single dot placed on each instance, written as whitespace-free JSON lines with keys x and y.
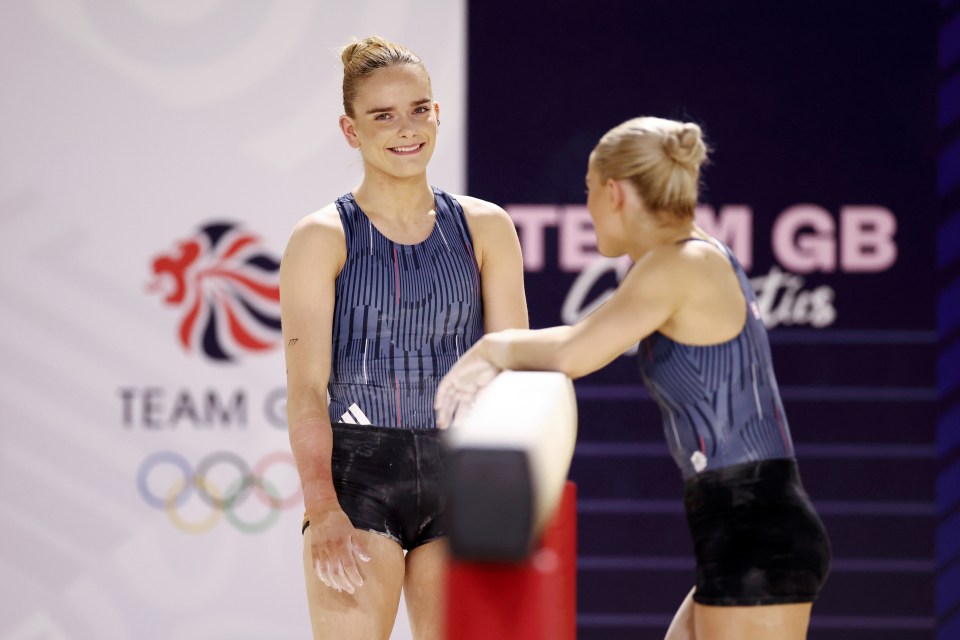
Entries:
{"x":422,"y":109}
{"x":381,"y":116}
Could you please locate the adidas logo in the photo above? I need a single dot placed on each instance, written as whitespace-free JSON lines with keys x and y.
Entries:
{"x":353,"y":415}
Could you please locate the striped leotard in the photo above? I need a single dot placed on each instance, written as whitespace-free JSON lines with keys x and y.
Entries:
{"x":403,"y":315}
{"x":720,"y":403}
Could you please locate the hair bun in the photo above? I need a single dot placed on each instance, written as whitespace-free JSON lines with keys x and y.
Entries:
{"x":358,"y":47}
{"x":660,"y":157}
{"x":685,"y":145}
{"x":347,"y":53}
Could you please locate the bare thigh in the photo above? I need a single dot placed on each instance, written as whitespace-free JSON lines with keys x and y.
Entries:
{"x":770,"y":622}
{"x":369,"y":613}
{"x":424,"y":589}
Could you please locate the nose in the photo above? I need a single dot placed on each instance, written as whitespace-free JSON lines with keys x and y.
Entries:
{"x":406,"y":126}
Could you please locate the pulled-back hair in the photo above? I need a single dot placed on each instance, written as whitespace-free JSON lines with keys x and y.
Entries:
{"x":661,"y":158}
{"x":363,"y":57}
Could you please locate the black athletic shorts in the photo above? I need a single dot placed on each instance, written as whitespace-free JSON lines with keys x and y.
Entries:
{"x":388,"y":481}
{"x":757,"y":538}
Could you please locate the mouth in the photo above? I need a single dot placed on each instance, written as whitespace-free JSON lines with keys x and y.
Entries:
{"x":407,"y":150}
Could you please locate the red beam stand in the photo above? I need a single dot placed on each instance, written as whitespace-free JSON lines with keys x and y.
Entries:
{"x":532,"y":600}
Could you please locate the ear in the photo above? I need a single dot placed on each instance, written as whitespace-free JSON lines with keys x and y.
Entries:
{"x":436,"y":112}
{"x":349,"y":131}
{"x":618,"y":194}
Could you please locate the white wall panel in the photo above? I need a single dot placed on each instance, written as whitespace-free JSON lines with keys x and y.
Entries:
{"x":125,"y":127}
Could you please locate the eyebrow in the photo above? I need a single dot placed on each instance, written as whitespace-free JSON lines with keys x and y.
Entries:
{"x":415,"y":103}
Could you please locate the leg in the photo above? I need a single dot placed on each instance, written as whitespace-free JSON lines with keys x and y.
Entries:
{"x":369,"y":613}
{"x":682,"y":628}
{"x":424,"y":589}
{"x":772,"y":622}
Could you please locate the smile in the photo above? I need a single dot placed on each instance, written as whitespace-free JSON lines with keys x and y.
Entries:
{"x":413,"y":148}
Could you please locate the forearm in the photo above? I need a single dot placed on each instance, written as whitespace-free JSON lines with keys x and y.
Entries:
{"x":530,"y":350}
{"x":311,"y":440}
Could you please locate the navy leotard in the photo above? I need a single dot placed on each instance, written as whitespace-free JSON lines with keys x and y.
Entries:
{"x":403,"y":315}
{"x":720,"y":403}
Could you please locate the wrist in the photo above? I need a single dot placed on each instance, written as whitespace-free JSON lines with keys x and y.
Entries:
{"x":319,"y":501}
{"x":495,"y":349}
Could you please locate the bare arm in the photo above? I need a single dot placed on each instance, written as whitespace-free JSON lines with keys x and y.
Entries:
{"x":646,"y":299}
{"x":311,"y":262}
{"x":307,"y":273}
{"x":501,"y":265}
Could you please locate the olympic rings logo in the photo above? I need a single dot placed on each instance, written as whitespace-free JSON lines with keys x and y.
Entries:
{"x":207,"y":481}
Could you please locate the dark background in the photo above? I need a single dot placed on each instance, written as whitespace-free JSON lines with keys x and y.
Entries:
{"x":827,"y":103}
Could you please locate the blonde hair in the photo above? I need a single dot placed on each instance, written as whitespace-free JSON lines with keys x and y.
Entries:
{"x":661,"y":159}
{"x":362,"y":57}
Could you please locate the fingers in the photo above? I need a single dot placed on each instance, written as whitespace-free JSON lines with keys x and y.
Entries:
{"x":340,"y":578}
{"x":340,"y":571}
{"x":454,"y":405}
{"x":450,"y":394}
{"x":459,"y":388}
{"x":446,"y":404}
{"x":332,"y":574}
{"x":351,"y":574}
{"x":359,"y":550}
{"x":333,"y":583}
{"x":441,"y":406}
{"x":320,"y":567}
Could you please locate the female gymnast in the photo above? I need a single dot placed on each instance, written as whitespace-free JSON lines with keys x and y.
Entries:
{"x":762,"y":552}
{"x":381,"y":292}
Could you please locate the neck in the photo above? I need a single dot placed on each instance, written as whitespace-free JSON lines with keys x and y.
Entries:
{"x":394,"y":197}
{"x":649,"y":234}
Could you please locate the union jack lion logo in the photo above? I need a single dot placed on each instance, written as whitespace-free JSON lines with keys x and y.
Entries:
{"x":228,"y":289}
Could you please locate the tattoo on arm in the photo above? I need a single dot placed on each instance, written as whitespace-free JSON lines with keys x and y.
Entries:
{"x":293,"y":341}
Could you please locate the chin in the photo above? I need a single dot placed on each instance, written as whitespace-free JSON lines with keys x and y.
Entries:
{"x":409,"y":169}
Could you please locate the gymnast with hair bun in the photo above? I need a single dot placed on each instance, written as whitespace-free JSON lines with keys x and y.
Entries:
{"x":762,"y":553}
{"x":381,"y":291}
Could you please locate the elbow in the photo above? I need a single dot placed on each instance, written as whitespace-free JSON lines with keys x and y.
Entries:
{"x":307,"y":404}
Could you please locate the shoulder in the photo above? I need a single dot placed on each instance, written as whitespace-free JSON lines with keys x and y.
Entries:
{"x":665,"y":269}
{"x":678,"y":270}
{"x":477,"y":207}
{"x":316,"y":236}
{"x":319,"y":226}
{"x":686,"y":256}
{"x":485,"y":217}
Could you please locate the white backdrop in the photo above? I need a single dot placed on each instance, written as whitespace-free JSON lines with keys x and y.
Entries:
{"x":127,"y":127}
